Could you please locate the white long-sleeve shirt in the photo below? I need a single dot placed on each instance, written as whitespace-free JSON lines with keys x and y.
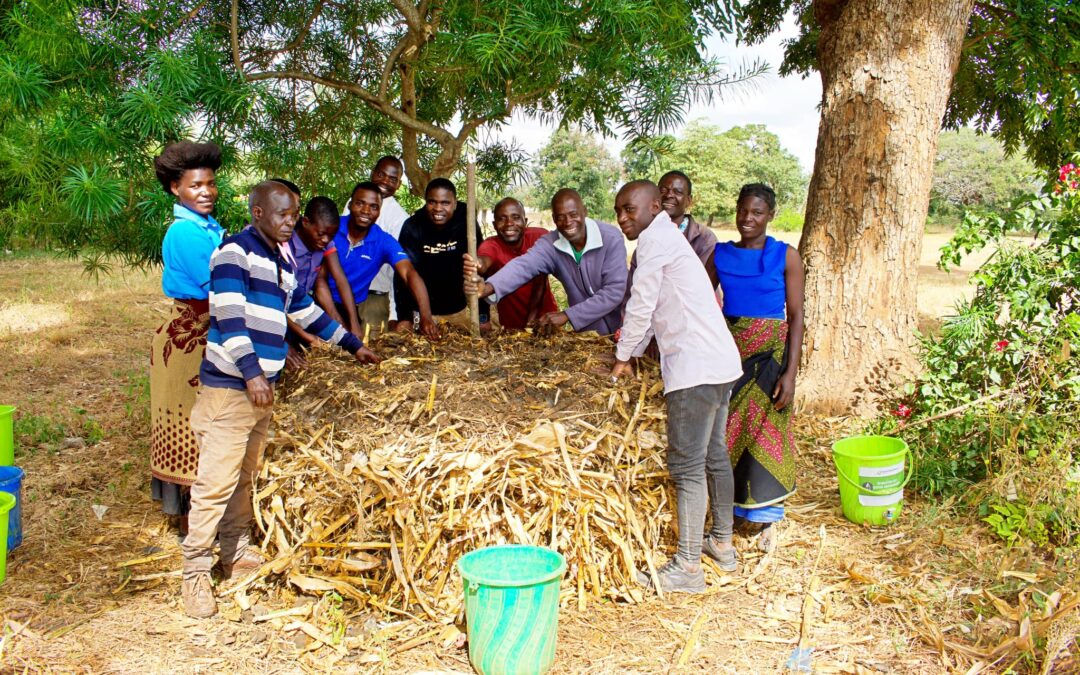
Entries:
{"x":672,"y":298}
{"x":391,"y":218}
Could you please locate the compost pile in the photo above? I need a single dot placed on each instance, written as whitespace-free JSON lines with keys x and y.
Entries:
{"x":379,"y":478}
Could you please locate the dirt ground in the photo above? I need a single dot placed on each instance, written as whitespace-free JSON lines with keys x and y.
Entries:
{"x":95,"y":586}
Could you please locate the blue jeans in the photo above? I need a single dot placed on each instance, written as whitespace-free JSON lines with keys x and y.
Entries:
{"x":699,"y":464}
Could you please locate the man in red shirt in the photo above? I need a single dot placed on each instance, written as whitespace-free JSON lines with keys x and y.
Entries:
{"x":527,"y":304}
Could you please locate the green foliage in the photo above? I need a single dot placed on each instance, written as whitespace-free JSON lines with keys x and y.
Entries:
{"x":972,"y":172}
{"x":787,"y":220}
{"x":37,"y":431}
{"x":720,"y":163}
{"x":1000,"y":389}
{"x":1017,"y":78}
{"x":574,"y":159}
{"x":90,"y":92}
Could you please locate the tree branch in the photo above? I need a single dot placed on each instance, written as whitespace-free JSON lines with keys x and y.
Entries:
{"x":512,"y":102}
{"x":379,"y":104}
{"x":413,"y":18}
{"x":302,"y":35}
{"x":234,"y":37}
{"x":391,"y":61}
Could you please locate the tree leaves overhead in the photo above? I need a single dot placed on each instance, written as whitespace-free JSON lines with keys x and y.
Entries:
{"x":315,"y":90}
{"x":1018,"y":77}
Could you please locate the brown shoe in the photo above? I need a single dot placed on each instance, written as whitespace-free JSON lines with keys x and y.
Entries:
{"x":247,"y":563}
{"x":198,"y":595}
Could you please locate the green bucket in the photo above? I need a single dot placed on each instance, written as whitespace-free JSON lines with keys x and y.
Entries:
{"x":7,"y":502}
{"x":7,"y":435}
{"x":872,"y":477}
{"x":511,"y":608}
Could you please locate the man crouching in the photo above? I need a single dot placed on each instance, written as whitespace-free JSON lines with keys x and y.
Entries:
{"x":251,"y":295}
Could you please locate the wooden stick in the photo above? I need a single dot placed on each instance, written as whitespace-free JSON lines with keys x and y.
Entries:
{"x":470,"y":210}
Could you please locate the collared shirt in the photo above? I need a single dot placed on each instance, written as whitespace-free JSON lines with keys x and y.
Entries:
{"x":594,"y":286}
{"x":672,"y":298}
{"x":252,"y":292}
{"x":185,"y":252}
{"x":363,"y":260}
{"x":306,"y":262}
{"x":593,"y":240}
{"x":701,"y":239}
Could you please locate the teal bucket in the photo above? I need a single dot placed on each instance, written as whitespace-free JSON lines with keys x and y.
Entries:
{"x":873,"y":471}
{"x":511,"y":608}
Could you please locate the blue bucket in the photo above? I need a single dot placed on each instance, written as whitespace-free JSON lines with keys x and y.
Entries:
{"x":11,"y":481}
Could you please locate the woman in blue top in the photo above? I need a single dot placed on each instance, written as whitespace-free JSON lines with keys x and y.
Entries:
{"x":762,"y":281}
{"x":187,"y":171}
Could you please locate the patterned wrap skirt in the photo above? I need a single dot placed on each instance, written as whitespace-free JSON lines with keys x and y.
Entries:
{"x":175,"y":357}
{"x":759,"y":436}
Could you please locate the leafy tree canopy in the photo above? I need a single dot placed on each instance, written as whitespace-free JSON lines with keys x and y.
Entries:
{"x":1017,"y":79}
{"x":314,"y":91}
{"x":720,"y":163}
{"x":575,"y":159}
{"x":972,"y":171}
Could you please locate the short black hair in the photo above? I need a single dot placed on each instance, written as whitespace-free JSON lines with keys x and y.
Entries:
{"x":367,"y":185}
{"x":389,"y":158}
{"x":680,"y":174}
{"x":508,"y":200}
{"x":321,"y":210}
{"x":293,"y":187}
{"x":761,"y":191}
{"x":177,"y":158}
{"x":440,"y":184}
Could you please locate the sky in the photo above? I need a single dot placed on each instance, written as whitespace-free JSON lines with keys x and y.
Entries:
{"x":786,"y":105}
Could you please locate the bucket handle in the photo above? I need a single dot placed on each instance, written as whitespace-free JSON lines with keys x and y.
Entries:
{"x":886,"y":491}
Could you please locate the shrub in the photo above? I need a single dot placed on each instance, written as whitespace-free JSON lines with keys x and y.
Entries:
{"x":997,"y":403}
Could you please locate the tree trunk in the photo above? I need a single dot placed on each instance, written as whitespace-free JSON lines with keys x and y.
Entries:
{"x":886,"y":70}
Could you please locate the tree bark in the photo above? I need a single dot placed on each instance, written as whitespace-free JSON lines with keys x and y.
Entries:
{"x":886,"y":69}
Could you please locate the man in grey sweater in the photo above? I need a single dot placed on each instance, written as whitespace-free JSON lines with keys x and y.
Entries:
{"x":587,"y":256}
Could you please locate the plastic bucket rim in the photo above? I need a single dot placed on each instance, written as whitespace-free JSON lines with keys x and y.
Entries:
{"x":7,"y":502}
{"x":904,"y":449}
{"x":16,"y":474}
{"x":6,"y":410}
{"x":477,"y":579}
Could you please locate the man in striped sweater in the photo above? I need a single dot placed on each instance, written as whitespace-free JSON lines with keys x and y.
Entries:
{"x":253,"y":290}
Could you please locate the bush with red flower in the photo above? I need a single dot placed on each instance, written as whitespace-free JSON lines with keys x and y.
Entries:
{"x":999,"y":395}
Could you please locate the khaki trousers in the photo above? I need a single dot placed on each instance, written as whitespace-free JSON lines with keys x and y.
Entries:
{"x":231,"y":434}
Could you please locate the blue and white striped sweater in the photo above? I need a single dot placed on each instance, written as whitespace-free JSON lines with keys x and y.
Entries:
{"x":251,"y":286}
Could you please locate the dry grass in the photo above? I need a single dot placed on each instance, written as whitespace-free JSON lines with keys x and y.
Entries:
{"x":933,"y":593}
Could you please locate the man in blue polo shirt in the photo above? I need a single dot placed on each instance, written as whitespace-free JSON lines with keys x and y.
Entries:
{"x":362,"y":249}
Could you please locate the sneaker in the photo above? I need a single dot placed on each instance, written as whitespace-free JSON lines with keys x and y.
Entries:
{"x":727,"y":560}
{"x":198,"y":595}
{"x":250,"y":561}
{"x":674,"y":578}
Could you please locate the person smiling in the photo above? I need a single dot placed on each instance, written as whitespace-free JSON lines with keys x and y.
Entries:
{"x":436,"y":238}
{"x":252,"y":293}
{"x":672,"y":299}
{"x":513,"y":238}
{"x":676,"y":198}
{"x":187,"y":171}
{"x":587,"y":256}
{"x":363,"y":249}
{"x":386,"y":174}
{"x":763,"y":282}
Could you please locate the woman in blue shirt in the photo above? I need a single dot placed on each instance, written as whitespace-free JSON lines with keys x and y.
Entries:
{"x":762,"y":281}
{"x":187,"y":171}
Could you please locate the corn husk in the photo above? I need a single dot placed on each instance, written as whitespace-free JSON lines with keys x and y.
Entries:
{"x":379,"y":478}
